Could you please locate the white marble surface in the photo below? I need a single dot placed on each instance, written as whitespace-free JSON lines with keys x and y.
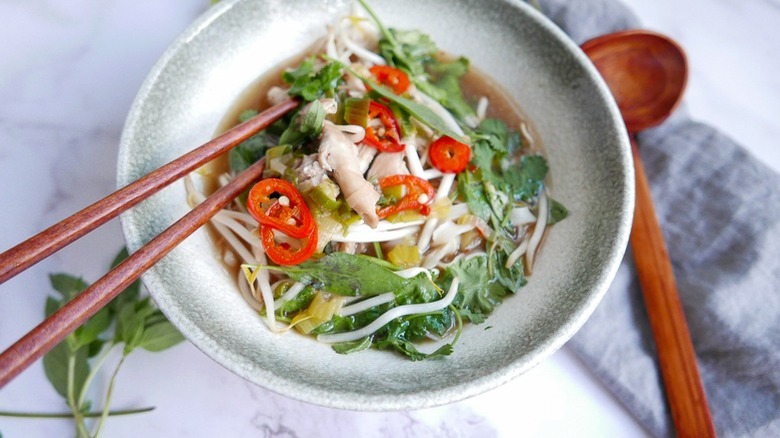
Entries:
{"x":68,"y":73}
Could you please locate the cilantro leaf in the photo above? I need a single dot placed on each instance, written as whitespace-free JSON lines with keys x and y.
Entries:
{"x":479,"y":291}
{"x":310,"y":84}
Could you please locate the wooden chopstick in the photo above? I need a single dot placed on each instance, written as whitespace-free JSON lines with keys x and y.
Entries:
{"x":676,"y":355}
{"x":55,"y":328}
{"x":43,"y":244}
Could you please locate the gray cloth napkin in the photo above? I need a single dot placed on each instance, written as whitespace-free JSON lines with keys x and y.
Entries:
{"x":720,"y":213}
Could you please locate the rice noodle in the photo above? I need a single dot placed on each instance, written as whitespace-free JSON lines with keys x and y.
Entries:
{"x":413,"y":272}
{"x":536,"y":236}
{"x":482,"y":106}
{"x":290,"y":294}
{"x":367,"y":304}
{"x":437,"y":108}
{"x":457,"y":211}
{"x":376,"y":236}
{"x":358,"y":50}
{"x":231,"y":239}
{"x":521,"y":216}
{"x":435,"y":256}
{"x":444,"y":190}
{"x":262,"y":278}
{"x":246,"y":292}
{"x":396,"y":312}
{"x":236,"y":227}
{"x":448,"y":231}
{"x":527,"y":133}
{"x":412,"y":157}
{"x":431,"y":173}
{"x":517,"y":253}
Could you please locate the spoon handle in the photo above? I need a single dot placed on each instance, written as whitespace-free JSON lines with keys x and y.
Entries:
{"x":684,"y":389}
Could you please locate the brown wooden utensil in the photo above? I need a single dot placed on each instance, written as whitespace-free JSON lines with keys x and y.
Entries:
{"x":55,"y":328}
{"x":647,"y":73}
{"x":59,"y":235}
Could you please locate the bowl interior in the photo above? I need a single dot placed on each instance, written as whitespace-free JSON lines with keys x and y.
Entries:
{"x":206,"y":69}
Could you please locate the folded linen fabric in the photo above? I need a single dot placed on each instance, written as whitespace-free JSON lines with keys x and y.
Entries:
{"x":720,"y":213}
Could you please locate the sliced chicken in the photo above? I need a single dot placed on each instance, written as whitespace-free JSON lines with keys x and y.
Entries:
{"x":277,"y":95}
{"x":366,"y":154}
{"x":310,"y":173}
{"x":339,"y":155}
{"x":386,"y":164}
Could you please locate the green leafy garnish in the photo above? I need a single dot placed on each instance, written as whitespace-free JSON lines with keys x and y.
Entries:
{"x":306,"y":125}
{"x":249,"y":151}
{"x":417,"y":110}
{"x":558,"y":212}
{"x":73,"y":364}
{"x":480,"y":290}
{"x":346,"y":274}
{"x":494,"y":153}
{"x":310,"y":84}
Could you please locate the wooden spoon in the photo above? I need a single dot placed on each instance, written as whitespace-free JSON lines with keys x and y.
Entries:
{"x":647,"y":73}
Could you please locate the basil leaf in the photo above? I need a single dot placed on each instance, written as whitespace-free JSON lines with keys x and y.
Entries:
{"x":159,"y":336}
{"x":67,"y":285}
{"x":55,"y":365}
{"x":131,"y":321}
{"x":346,"y":274}
{"x":52,"y":305}
{"x":93,"y":328}
{"x":417,"y":110}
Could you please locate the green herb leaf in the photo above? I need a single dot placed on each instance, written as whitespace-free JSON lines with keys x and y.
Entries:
{"x":306,"y":125}
{"x":249,"y":151}
{"x":67,"y":285}
{"x":346,"y":274}
{"x":479,"y":291}
{"x":395,"y":336}
{"x":417,"y":110}
{"x":310,"y":84}
{"x":494,"y":153}
{"x":160,"y":336}
{"x":558,"y":212}
{"x":56,"y":363}
{"x":131,"y":321}
{"x":473,"y":190}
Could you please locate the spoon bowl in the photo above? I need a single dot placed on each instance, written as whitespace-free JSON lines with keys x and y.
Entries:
{"x":646,"y":71}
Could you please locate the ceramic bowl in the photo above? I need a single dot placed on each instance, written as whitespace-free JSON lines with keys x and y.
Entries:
{"x":222,"y":53}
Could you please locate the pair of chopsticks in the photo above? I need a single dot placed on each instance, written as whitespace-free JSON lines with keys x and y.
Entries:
{"x":15,"y":260}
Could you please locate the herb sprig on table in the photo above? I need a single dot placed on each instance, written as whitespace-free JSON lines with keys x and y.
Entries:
{"x":130,"y":321}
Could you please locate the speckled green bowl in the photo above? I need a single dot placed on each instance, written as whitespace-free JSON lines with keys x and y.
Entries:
{"x":195,"y":82}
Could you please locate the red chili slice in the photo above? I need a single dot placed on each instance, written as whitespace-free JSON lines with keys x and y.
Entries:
{"x":292,"y":217}
{"x":388,"y":137}
{"x":282,"y":253}
{"x":394,"y":78}
{"x":449,"y":155}
{"x":415,"y":187}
